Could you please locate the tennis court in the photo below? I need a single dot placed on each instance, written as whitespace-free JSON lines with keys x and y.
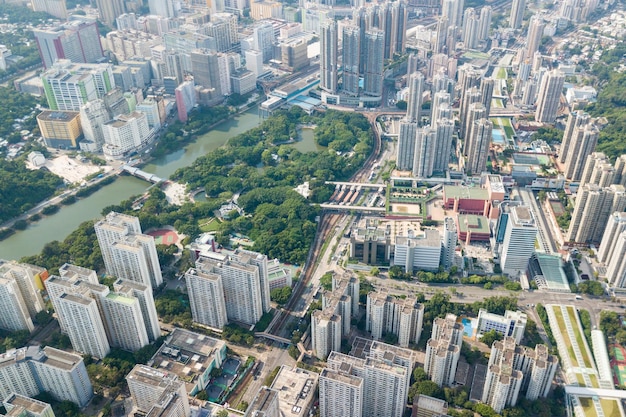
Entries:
{"x":618,"y":363}
{"x":164,"y":236}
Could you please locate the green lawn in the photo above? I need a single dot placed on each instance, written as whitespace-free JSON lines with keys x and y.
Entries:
{"x":588,"y":408}
{"x":563,"y":330}
{"x":610,"y":408}
{"x":573,"y":316}
{"x":209,"y":225}
{"x":501,"y":75}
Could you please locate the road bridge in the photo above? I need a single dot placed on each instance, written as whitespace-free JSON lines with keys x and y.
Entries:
{"x":272,"y":337}
{"x":146,"y":176}
{"x":362,"y":209}
{"x":380,"y":187}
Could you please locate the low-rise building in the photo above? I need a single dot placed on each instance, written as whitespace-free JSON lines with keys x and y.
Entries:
{"x":191,"y":356}
{"x":511,"y":324}
{"x":548,"y":272}
{"x":296,"y":390}
{"x":472,"y":228}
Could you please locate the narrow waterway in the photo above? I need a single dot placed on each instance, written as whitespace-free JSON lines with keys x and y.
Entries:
{"x":59,"y":225}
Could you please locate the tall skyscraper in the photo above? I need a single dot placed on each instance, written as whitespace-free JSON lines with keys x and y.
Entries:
{"x":475,"y":111}
{"x":616,"y":266}
{"x":549,"y":96}
{"x":163,"y":8}
{"x":351,"y":59}
{"x":583,"y":142}
{"x":536,"y":27}
{"x":387,"y":314}
{"x":440,"y":107}
{"x":341,"y":394}
{"x":485,"y":23}
{"x":480,"y":139}
{"x":424,"y":152}
{"x":616,"y":224}
{"x":620,"y":170}
{"x":31,"y":370}
{"x":264,"y":38}
{"x":127,"y":253}
{"x":329,"y":45}
{"x":237,"y":285}
{"x":13,"y":312}
{"x":329,"y":325}
{"x":68,"y":86}
{"x":77,"y":41}
{"x":598,"y":170}
{"x":124,"y":320}
{"x":517,"y":14}
{"x":206,"y":297}
{"x":386,"y":369}
{"x":96,"y":318}
{"x":443,"y":130}
{"x":443,"y":350}
{"x":143,"y":294}
{"x":471,"y":28}
{"x":486,"y":93}
{"x":449,"y":242}
{"x":406,"y":146}
{"x":110,"y":10}
{"x":25,"y":276}
{"x":154,"y":390}
{"x":205,"y":69}
{"x":56,"y":8}
{"x":414,"y":100}
{"x":472,"y":95}
{"x":264,"y":404}
{"x":576,"y":119}
{"x":593,"y":207}
{"x":519,"y":240}
{"x":453,"y":11}
{"x":374,"y":59}
{"x":516,"y":370}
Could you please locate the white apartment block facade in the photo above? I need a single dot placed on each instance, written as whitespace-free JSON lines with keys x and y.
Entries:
{"x":13,"y":311}
{"x":388,"y":314}
{"x":341,"y":394}
{"x":135,"y":250}
{"x":512,"y":324}
{"x":206,"y":298}
{"x":31,"y":370}
{"x":443,"y":350}
{"x":158,"y":393}
{"x":124,"y":320}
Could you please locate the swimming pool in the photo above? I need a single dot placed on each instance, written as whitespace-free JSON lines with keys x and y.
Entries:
{"x":467,"y":327}
{"x":497,"y":136}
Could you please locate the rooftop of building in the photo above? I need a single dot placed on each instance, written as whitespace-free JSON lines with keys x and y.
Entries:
{"x":29,"y":404}
{"x":57,"y":116}
{"x":263,"y":401}
{"x":464,"y":192}
{"x":553,"y":277}
{"x":429,"y":404}
{"x":74,"y":272}
{"x":427,"y":237}
{"x":473,"y":223}
{"x":296,"y":389}
{"x":151,"y":376}
{"x":120,"y":298}
{"x":341,"y":377}
{"x":372,"y":228}
{"x":522,"y":216}
{"x":187,"y":354}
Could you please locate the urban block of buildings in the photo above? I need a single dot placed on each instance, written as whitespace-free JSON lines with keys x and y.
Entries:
{"x":20,"y":296}
{"x":386,"y":314}
{"x":191,"y":357}
{"x":235,"y":285}
{"x":28,"y":371}
{"x":331,"y":324}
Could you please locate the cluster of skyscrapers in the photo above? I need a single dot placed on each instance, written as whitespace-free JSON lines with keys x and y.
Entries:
{"x":20,"y":299}
{"x":374,"y":384}
{"x":377,"y":33}
{"x":332,"y":323}
{"x":227,"y":288}
{"x":96,"y":318}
